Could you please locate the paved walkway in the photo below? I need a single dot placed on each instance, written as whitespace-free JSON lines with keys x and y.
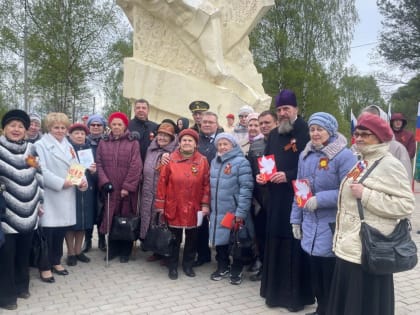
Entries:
{"x":141,"y":287}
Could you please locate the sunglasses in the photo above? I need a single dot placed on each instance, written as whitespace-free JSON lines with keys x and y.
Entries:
{"x":363,"y":135}
{"x":96,"y":125}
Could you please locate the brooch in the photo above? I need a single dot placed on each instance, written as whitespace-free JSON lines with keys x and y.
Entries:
{"x":228,"y":169}
{"x":73,"y":155}
{"x":32,"y":161}
{"x":291,"y":145}
{"x":323,"y":163}
{"x":194,"y":170}
{"x":355,"y":172}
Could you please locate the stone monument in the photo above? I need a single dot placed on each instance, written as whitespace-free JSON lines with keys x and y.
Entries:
{"x":186,"y":50}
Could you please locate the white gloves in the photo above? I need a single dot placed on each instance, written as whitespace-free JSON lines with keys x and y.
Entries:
{"x":297,"y":232}
{"x":311,"y":204}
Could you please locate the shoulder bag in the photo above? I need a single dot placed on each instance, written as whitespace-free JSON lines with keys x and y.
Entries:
{"x":386,"y":254}
{"x":159,"y":239}
{"x":242,"y":244}
{"x":125,"y":228}
{"x":39,"y":257}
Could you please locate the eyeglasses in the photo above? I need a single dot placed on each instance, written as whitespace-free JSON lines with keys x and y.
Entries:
{"x":207,"y":122}
{"x":96,"y":125}
{"x":363,"y":135}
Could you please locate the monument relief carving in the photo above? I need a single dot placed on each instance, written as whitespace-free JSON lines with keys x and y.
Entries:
{"x":186,"y":50}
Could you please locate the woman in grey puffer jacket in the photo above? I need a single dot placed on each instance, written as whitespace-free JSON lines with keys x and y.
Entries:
{"x":231,"y":185}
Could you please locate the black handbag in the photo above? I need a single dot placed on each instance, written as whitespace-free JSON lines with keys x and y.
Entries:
{"x":39,"y":252}
{"x":242,"y":245}
{"x":386,"y":254}
{"x":125,"y":228}
{"x":2,"y":213}
{"x":159,"y":239}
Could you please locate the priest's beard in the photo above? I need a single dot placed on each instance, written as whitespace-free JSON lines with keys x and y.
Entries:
{"x":285,"y":126}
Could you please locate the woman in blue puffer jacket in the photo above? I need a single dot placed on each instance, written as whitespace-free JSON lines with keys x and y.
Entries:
{"x":324,"y":162}
{"x":231,"y":185}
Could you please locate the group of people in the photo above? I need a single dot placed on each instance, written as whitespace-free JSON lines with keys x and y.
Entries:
{"x":205,"y":184}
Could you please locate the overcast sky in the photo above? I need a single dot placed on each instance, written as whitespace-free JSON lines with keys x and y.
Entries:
{"x":365,"y":37}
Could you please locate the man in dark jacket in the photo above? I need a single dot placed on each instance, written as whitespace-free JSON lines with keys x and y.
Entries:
{"x":398,"y":123}
{"x":267,"y":122}
{"x":209,"y":130}
{"x":285,"y":281}
{"x":141,"y":124}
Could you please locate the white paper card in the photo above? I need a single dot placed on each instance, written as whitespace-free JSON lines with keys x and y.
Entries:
{"x":86,"y":157}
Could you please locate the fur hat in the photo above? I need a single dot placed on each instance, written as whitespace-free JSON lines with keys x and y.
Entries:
{"x":167,"y":128}
{"x":119,"y":115}
{"x":16,"y":114}
{"x":324,"y":120}
{"x":79,"y":126}
{"x":188,"y":132}
{"x":286,"y":97}
{"x":378,"y":126}
{"x":227,"y":136}
{"x":96,"y":118}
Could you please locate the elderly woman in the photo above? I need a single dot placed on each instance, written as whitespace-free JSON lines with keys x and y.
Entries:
{"x":231,"y":184}
{"x":119,"y":167}
{"x":56,"y":155}
{"x":22,"y":193}
{"x":183,"y":190}
{"x":386,"y":197}
{"x":324,"y":162}
{"x":164,"y":142}
{"x":254,"y":132}
{"x":96,"y":124}
{"x":84,"y":199}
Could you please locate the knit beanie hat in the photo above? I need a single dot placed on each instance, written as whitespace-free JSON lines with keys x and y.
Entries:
{"x":246,"y":109}
{"x":286,"y":97}
{"x":36,"y":117}
{"x":189,"y":132}
{"x":78,"y":126}
{"x":378,"y":126}
{"x":119,"y":115}
{"x":227,"y":136}
{"x":324,"y":120}
{"x":16,"y":114}
{"x":252,"y":116}
{"x":96,"y":118}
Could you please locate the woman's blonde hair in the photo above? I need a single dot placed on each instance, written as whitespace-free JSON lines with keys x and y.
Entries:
{"x":56,"y":118}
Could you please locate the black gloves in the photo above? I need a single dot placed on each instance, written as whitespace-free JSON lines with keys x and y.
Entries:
{"x":107,"y":187}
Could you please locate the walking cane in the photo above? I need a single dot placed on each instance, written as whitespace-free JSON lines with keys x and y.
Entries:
{"x":107,"y":232}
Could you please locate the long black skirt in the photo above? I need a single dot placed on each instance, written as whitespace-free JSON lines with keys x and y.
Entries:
{"x":286,"y":278}
{"x":354,"y":291}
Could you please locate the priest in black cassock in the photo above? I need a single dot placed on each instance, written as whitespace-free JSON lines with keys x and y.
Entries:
{"x":286,"y":277}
